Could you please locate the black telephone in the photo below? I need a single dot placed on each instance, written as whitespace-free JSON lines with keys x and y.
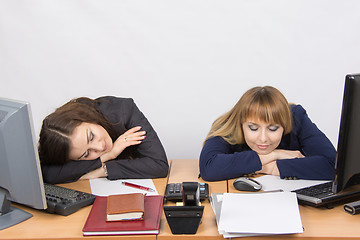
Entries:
{"x":173,"y":191}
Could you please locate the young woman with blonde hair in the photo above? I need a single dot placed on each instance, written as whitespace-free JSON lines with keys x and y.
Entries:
{"x":263,"y":133}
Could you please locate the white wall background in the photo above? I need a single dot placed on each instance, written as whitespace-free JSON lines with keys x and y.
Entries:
{"x":184,"y":62}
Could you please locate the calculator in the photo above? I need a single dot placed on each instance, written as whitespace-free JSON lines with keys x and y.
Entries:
{"x":173,"y":191}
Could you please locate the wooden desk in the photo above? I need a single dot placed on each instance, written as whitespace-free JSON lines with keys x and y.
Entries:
{"x":321,"y":223}
{"x":318,"y":223}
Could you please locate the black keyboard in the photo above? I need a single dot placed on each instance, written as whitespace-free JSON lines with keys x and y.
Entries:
{"x":65,"y":201}
{"x":321,"y":194}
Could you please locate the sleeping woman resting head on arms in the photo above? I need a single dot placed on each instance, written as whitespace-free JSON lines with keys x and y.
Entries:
{"x":263,"y":133}
{"x":105,"y":137}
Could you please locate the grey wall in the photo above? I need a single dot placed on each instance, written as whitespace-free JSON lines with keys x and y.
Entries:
{"x":184,"y":62}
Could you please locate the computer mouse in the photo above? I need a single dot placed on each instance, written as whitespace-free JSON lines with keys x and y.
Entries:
{"x":247,"y":184}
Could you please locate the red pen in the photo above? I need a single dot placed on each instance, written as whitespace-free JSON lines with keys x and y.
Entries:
{"x":138,"y":186}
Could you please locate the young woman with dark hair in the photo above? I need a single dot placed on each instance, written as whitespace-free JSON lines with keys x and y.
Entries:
{"x":104,"y":137}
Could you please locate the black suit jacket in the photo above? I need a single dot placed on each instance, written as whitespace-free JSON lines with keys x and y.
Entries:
{"x":151,"y":161}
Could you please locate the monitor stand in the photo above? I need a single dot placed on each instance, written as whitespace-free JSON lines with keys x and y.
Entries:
{"x":10,"y":216}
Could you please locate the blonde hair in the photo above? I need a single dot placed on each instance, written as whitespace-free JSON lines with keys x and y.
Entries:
{"x":266,"y":104}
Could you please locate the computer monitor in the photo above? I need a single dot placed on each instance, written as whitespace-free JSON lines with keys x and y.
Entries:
{"x":20,"y":173}
{"x":347,"y":165}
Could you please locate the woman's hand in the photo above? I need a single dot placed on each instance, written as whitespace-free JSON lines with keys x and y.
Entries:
{"x":278,"y":154}
{"x":270,"y":168}
{"x":131,"y":137}
{"x":268,"y":161}
{"x":288,"y":154}
{"x":97,"y":173}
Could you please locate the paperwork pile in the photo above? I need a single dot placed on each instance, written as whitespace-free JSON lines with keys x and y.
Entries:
{"x":255,"y":214}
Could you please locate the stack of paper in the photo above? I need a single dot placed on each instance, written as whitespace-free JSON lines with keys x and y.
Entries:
{"x":254,"y":214}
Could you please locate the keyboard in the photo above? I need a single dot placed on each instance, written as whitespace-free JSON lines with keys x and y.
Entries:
{"x":65,"y":201}
{"x":321,"y":194}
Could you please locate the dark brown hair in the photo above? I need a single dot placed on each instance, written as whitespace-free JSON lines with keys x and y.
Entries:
{"x":54,"y":141}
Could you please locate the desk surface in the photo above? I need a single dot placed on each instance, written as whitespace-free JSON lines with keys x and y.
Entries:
{"x":318,"y":223}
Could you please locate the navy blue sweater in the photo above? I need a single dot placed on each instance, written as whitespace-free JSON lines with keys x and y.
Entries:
{"x":220,"y":160}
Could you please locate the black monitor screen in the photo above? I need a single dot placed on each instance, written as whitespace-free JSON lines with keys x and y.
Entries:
{"x":347,"y":166}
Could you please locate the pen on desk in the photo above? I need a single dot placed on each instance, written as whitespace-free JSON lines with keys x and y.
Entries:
{"x":270,"y":191}
{"x":138,"y":186}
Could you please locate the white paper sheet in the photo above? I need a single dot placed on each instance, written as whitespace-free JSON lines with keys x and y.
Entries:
{"x":105,"y":187}
{"x":260,"y":213}
{"x":216,"y":203}
{"x":270,"y":182}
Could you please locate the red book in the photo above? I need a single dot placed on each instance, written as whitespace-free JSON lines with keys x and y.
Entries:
{"x":96,"y":223}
